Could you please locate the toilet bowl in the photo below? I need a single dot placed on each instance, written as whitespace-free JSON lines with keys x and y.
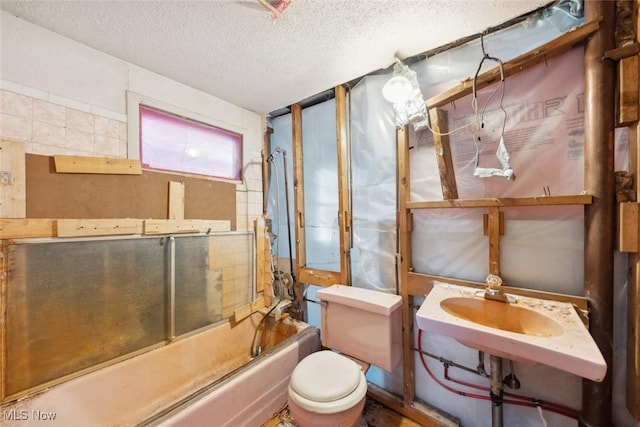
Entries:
{"x":327,"y":389}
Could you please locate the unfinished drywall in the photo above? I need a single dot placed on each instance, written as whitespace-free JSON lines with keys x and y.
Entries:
{"x":62,"y":195}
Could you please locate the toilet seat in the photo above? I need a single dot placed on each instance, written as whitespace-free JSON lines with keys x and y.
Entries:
{"x":325,"y":382}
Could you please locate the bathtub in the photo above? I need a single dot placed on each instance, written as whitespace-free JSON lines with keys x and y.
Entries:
{"x":208,"y":378}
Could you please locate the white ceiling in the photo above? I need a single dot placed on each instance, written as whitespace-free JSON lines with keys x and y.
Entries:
{"x":233,"y":49}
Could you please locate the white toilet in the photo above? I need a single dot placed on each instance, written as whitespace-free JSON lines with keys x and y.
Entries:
{"x":329,"y":389}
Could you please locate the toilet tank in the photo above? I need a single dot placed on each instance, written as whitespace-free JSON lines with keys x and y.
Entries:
{"x":362,"y":323}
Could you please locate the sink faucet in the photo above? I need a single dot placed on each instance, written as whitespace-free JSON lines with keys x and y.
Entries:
{"x":494,"y":291}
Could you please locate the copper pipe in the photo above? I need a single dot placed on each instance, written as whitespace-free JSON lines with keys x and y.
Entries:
{"x":599,"y":127}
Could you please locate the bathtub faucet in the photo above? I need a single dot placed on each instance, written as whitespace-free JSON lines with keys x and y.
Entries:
{"x":494,"y":290}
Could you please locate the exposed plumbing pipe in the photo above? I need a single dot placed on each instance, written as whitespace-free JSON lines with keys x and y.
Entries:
{"x":514,"y":399}
{"x":496,"y":390}
{"x":599,"y":216}
{"x":271,"y":158}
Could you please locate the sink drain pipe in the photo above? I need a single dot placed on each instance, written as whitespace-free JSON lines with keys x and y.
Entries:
{"x":497,"y":390}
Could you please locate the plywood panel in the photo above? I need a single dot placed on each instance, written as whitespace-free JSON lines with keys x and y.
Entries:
{"x":54,"y":195}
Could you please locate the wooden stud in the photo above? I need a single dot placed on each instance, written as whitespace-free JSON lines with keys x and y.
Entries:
{"x":98,"y":165}
{"x":628,"y":233}
{"x":485,"y":224}
{"x":176,"y":200}
{"x":629,"y":102}
{"x":443,"y":153}
{"x":494,"y":241}
{"x":344,"y":214}
{"x":298,"y":189}
{"x":404,"y":236}
{"x":97,"y":227}
{"x":13,"y":184}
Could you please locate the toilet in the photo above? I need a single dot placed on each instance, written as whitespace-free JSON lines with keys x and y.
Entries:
{"x":328,"y":388}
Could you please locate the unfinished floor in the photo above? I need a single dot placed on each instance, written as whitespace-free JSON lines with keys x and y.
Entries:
{"x":374,"y":415}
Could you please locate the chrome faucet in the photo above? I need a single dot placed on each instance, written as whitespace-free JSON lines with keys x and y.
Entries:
{"x":494,"y":291}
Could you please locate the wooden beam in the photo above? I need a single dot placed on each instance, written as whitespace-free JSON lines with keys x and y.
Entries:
{"x":527,"y":60}
{"x":176,"y":200}
{"x":582,"y":199}
{"x":13,"y":182}
{"x":98,"y":227}
{"x":97,"y":165}
{"x":344,"y":211}
{"x":629,"y":101}
{"x":628,"y":233}
{"x":443,"y":153}
{"x":170,"y":226}
{"x":420,"y":284}
{"x":319,"y":277}
{"x":23,"y":228}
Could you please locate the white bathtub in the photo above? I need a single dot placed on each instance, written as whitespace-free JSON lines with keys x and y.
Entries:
{"x":208,"y":379}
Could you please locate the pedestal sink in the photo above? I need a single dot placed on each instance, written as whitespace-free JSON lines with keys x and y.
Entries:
{"x":531,"y":330}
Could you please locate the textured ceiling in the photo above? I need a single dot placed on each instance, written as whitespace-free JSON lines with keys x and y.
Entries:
{"x":234,"y":50}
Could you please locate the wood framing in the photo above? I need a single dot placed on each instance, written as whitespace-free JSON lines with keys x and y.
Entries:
{"x":344,"y":212}
{"x":580,"y":199}
{"x":298,"y":189}
{"x":170,"y":226}
{"x":176,"y":200}
{"x":404,"y":238}
{"x":99,"y":165}
{"x":527,"y":60}
{"x":97,"y":227}
{"x":443,"y":153}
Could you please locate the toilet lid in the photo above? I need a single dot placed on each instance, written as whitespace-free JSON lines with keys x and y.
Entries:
{"x":325,"y":376}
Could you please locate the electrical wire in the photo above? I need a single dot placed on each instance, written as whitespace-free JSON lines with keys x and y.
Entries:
{"x":521,"y":400}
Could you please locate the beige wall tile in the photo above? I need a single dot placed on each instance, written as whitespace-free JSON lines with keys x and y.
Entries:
{"x":14,"y":127}
{"x":45,"y":133}
{"x":46,"y":149}
{"x":79,"y":120}
{"x":77,"y":140}
{"x":105,"y":146}
{"x":106,"y":127}
{"x":47,"y":112}
{"x":16,"y":105}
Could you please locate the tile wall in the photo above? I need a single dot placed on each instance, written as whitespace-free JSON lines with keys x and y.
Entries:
{"x":49,"y":124}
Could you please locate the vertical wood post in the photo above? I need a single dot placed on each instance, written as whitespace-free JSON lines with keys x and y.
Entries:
{"x":404,"y":235}
{"x":344,"y":211}
{"x":599,"y":122}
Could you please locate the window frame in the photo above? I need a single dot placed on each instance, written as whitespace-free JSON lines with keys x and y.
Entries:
{"x":134,"y":142}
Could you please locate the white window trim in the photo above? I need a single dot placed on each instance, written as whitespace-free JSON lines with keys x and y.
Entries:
{"x":134,"y":100}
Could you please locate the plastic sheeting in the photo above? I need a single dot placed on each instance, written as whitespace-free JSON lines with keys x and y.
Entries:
{"x":542,"y":248}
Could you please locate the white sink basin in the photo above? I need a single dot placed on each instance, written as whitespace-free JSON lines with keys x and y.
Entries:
{"x":530,"y":331}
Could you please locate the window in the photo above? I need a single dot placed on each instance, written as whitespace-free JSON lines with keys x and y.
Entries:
{"x":169,"y":142}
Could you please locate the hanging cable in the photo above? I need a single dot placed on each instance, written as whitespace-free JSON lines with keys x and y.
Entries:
{"x":501,"y":152}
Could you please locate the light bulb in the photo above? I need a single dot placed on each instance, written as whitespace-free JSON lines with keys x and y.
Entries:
{"x":397,"y":90}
